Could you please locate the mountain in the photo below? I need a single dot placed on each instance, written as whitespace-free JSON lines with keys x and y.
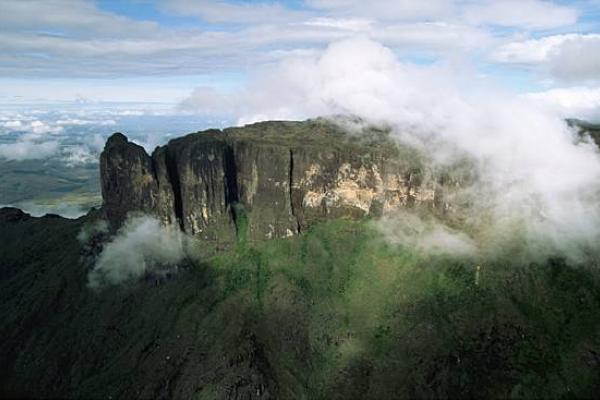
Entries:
{"x":280,"y":177}
{"x":332,"y":311}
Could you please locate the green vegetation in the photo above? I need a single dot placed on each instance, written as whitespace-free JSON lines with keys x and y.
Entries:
{"x":321,"y":132}
{"x":333,"y":313}
{"x":386,"y":322}
{"x":41,"y":186}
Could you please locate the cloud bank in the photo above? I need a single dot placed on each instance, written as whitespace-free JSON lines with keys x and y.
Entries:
{"x":80,"y":38}
{"x":574,"y":102}
{"x":153,"y":53}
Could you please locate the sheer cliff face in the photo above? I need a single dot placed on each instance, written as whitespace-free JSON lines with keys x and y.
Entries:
{"x":273,"y":179}
{"x":127,"y":178}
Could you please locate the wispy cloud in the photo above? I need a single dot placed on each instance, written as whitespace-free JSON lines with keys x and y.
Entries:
{"x":27,"y":150}
{"x":89,"y":42}
{"x":229,"y":12}
{"x":529,"y":14}
{"x":68,"y":18}
{"x":387,"y":10}
{"x":568,"y":57}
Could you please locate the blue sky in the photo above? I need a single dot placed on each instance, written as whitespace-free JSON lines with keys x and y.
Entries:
{"x":163,"y":50}
{"x":74,"y":71}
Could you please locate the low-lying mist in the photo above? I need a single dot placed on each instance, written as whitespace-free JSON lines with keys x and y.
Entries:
{"x":142,"y":246}
{"x":425,"y":235}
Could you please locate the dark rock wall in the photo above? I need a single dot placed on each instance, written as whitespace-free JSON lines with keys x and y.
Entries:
{"x":263,"y":181}
{"x":279,"y":178}
{"x":200,"y":166}
{"x":128,"y":179}
{"x":165,"y":206}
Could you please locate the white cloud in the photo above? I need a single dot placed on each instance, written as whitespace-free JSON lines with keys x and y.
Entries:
{"x":229,"y":12}
{"x":131,"y":113}
{"x":301,"y":87}
{"x":141,"y":246}
{"x":209,"y":102}
{"x":62,"y":17}
{"x":13,"y":125}
{"x":40,"y":127}
{"x":158,"y":50}
{"x":79,"y":154}
{"x":348,"y":24}
{"x":387,"y":10}
{"x":530,"y":14}
{"x":75,"y":38}
{"x":570,"y":57}
{"x":572,"y":102}
{"x":443,"y":38}
{"x":531,"y":51}
{"x":577,"y":58}
{"x":36,"y":127}
{"x":27,"y":150}
{"x":83,"y":122}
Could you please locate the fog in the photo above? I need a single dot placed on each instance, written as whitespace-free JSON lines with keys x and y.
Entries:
{"x":425,"y":235}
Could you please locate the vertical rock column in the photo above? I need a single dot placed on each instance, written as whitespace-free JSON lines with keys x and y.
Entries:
{"x":127,"y":179}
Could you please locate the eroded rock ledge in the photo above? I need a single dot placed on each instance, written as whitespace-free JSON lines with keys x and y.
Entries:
{"x":272,"y":179}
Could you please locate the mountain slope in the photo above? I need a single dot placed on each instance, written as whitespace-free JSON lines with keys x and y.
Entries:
{"x":332,"y":313}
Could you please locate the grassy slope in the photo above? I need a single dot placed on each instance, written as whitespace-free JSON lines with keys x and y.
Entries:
{"x":334,"y":313}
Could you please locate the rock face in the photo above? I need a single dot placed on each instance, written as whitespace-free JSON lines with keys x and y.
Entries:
{"x":130,"y":180}
{"x":270,"y":179}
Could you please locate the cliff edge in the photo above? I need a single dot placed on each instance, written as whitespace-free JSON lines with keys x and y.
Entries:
{"x":273,"y":179}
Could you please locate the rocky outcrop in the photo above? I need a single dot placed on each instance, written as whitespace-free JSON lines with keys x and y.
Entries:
{"x":128,"y":180}
{"x":271,"y":179}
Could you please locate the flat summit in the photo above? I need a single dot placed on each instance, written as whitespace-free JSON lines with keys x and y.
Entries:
{"x":280,"y":177}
